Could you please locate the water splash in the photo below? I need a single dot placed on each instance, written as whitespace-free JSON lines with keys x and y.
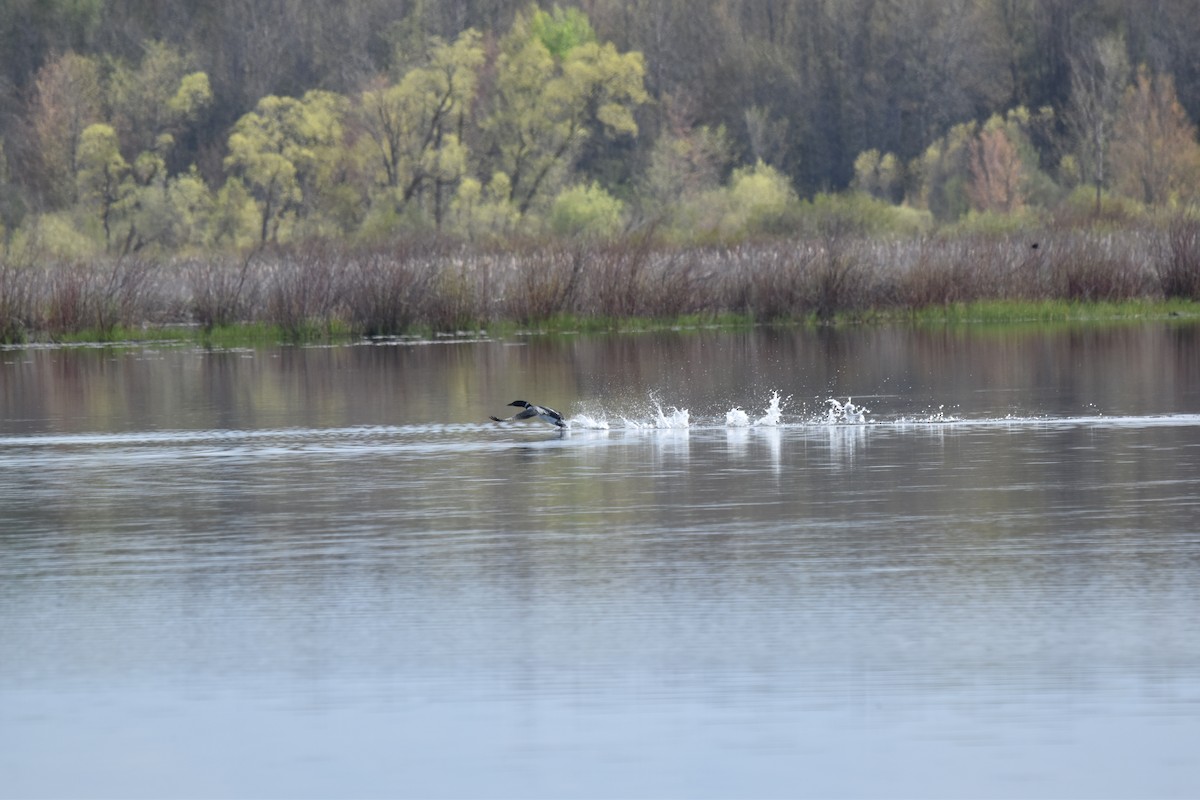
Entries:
{"x":587,"y":422}
{"x":774,"y":413}
{"x":657,"y":417}
{"x":736,"y":418}
{"x":846,"y":413}
{"x":941,"y":416}
{"x":676,"y":418}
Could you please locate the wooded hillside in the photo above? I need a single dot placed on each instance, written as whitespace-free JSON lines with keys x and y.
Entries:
{"x":167,"y":125}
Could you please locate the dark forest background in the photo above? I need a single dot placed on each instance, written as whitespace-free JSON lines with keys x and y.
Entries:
{"x":921,"y":112}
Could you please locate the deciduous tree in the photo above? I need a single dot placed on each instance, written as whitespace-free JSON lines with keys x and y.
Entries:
{"x":878,"y":174}
{"x":547,"y":103}
{"x":103,"y":176}
{"x":65,"y":102}
{"x":997,"y":174}
{"x":1154,"y":149}
{"x":288,"y":152}
{"x":151,"y":103}
{"x":414,"y":127}
{"x":1099,"y":74}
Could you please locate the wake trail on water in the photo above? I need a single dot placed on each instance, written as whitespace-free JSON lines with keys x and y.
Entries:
{"x":774,"y":413}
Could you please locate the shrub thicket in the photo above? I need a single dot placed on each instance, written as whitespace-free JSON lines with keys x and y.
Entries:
{"x":441,"y":286}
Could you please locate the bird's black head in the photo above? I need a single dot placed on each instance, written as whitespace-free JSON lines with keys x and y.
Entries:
{"x":519,"y":404}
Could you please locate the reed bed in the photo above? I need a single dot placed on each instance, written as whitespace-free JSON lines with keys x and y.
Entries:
{"x":319,"y":288}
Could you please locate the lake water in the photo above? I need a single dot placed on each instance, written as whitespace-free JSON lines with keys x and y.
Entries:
{"x":869,"y":562}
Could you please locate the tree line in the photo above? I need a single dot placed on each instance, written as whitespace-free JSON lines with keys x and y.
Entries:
{"x":175,"y":125}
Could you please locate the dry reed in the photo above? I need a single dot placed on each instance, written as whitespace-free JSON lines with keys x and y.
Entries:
{"x":448,"y":287}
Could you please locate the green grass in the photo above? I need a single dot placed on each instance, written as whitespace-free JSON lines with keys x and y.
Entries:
{"x":993,"y":312}
{"x":989,"y":313}
{"x":562,"y":324}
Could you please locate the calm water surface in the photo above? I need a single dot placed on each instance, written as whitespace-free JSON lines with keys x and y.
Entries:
{"x":767,"y":563}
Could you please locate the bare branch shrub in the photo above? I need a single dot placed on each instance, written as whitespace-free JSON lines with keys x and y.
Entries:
{"x":449,"y":287}
{"x":778,"y":285}
{"x":835,"y":276}
{"x":126,"y":295}
{"x":18,"y":315}
{"x":385,"y":293}
{"x":936,"y":274}
{"x":544,"y":283}
{"x":221,"y":291}
{"x":302,"y":290}
{"x":69,"y":288}
{"x":1177,"y":265}
{"x":615,"y":278}
{"x":458,"y":296}
{"x":100,"y":296}
{"x":1101,"y":267}
{"x":672,"y":285}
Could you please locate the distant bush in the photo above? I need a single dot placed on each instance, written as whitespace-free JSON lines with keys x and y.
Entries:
{"x":992,"y":223}
{"x":480,"y":212}
{"x":54,"y":235}
{"x":1079,"y":208}
{"x":585,"y":210}
{"x":759,"y":200}
{"x":859,"y":214}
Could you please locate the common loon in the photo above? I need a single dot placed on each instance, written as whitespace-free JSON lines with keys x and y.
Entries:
{"x":530,"y":411}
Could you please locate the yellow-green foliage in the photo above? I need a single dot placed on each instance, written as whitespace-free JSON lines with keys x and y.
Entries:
{"x":547,"y":105}
{"x":192,"y":97}
{"x":585,"y":210}
{"x":191,"y":205}
{"x":412,"y":151}
{"x":53,"y":235}
{"x":484,"y":212}
{"x":760,"y":199}
{"x":561,"y":30}
{"x":994,"y":223}
{"x":284,"y":149}
{"x":158,"y":95}
{"x":235,"y":217}
{"x":878,"y":174}
{"x":1080,"y":204}
{"x":101,"y":165}
{"x":860,"y":214}
{"x":756,"y":201}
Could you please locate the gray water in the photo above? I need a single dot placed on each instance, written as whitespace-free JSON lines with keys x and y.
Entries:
{"x":771,"y":563}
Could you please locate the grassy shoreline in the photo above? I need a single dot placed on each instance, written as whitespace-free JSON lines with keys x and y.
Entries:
{"x":320,"y":291}
{"x":966,"y":316}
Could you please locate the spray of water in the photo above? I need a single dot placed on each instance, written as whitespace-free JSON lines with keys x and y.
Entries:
{"x":736,"y":418}
{"x":660,"y":416}
{"x":774,"y":412}
{"x":846,"y":413}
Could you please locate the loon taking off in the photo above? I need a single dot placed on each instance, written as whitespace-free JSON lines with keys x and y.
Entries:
{"x":541,"y":412}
